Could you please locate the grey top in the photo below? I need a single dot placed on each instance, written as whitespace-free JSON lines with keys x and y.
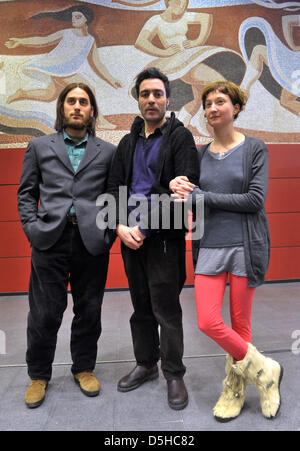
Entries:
{"x":222,"y":174}
{"x":221,"y":246}
{"x":214,"y":260}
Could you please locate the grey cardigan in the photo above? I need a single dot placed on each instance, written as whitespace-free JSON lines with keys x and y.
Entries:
{"x":251,"y":203}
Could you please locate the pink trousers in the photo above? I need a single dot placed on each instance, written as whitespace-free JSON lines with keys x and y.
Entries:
{"x":209,"y":292}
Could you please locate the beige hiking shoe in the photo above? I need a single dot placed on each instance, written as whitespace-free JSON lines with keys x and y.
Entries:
{"x":88,"y":383}
{"x":35,"y":393}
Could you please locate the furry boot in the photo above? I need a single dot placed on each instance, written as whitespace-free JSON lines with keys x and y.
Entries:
{"x":266,"y":375}
{"x":232,"y":398}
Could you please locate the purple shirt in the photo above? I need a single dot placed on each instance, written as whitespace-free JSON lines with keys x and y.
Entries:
{"x":144,"y":164}
{"x":144,"y":168}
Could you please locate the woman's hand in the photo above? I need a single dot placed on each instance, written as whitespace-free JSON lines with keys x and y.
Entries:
{"x":181,"y":187}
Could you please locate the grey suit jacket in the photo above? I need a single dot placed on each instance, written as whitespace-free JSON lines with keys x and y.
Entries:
{"x":49,"y":187}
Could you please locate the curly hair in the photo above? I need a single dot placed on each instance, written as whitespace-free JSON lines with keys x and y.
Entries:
{"x":152,"y":72}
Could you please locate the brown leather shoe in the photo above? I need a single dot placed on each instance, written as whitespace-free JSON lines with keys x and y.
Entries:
{"x":87,"y":382}
{"x":35,"y":393}
{"x":177,"y":394}
{"x":137,"y":377}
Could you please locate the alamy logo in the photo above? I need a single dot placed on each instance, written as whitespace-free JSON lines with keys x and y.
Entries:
{"x":2,"y":342}
{"x":157,"y":212}
{"x":296,"y":343}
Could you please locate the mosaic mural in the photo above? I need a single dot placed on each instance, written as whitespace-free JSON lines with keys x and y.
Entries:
{"x":45,"y":45}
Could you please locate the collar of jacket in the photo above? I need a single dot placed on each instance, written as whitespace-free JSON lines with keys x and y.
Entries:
{"x":93,"y":147}
{"x":138,"y":123}
{"x":136,"y":127}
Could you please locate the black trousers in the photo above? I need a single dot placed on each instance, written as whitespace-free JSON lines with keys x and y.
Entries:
{"x":156,"y":274}
{"x":51,"y":271}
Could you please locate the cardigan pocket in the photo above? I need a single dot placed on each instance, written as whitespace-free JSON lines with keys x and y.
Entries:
{"x":259,"y":243}
{"x":259,"y":257}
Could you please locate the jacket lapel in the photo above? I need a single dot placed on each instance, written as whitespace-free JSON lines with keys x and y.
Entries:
{"x":59,"y":147}
{"x":165,"y":142}
{"x":133,"y":138}
{"x":93,"y":148}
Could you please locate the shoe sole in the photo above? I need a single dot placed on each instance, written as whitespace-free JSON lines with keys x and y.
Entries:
{"x":90,"y":394}
{"x":279,"y":382}
{"x":226,"y":420}
{"x":137,"y":385}
{"x":178,"y":406}
{"x":34,"y":405}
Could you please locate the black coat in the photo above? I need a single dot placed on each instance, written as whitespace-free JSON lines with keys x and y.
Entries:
{"x":177,"y":156}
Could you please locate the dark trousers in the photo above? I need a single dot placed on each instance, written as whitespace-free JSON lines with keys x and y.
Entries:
{"x":156,"y":275}
{"x":51,"y":271}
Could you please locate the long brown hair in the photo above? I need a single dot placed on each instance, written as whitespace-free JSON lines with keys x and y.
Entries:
{"x":60,"y":119}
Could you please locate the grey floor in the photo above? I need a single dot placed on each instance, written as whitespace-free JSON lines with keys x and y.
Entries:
{"x":276,"y":331}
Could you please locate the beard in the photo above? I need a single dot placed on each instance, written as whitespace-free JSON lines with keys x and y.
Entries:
{"x":75,"y":125}
{"x":78,"y":124}
{"x":154,"y":119}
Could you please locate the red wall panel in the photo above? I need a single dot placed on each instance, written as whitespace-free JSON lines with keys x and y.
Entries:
{"x":15,"y":243}
{"x":11,"y":166}
{"x":116,"y":247}
{"x":284,"y":263}
{"x":116,"y":277}
{"x":283,"y":195}
{"x":284,"y":229}
{"x":189,"y":268}
{"x":284,"y":160}
{"x":283,"y":208}
{"x":14,"y":274}
{"x":8,"y":202}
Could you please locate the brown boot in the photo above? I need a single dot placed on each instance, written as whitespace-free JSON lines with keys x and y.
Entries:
{"x":35,"y":393}
{"x":87,"y":382}
{"x":178,"y":397}
{"x":137,"y":377}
